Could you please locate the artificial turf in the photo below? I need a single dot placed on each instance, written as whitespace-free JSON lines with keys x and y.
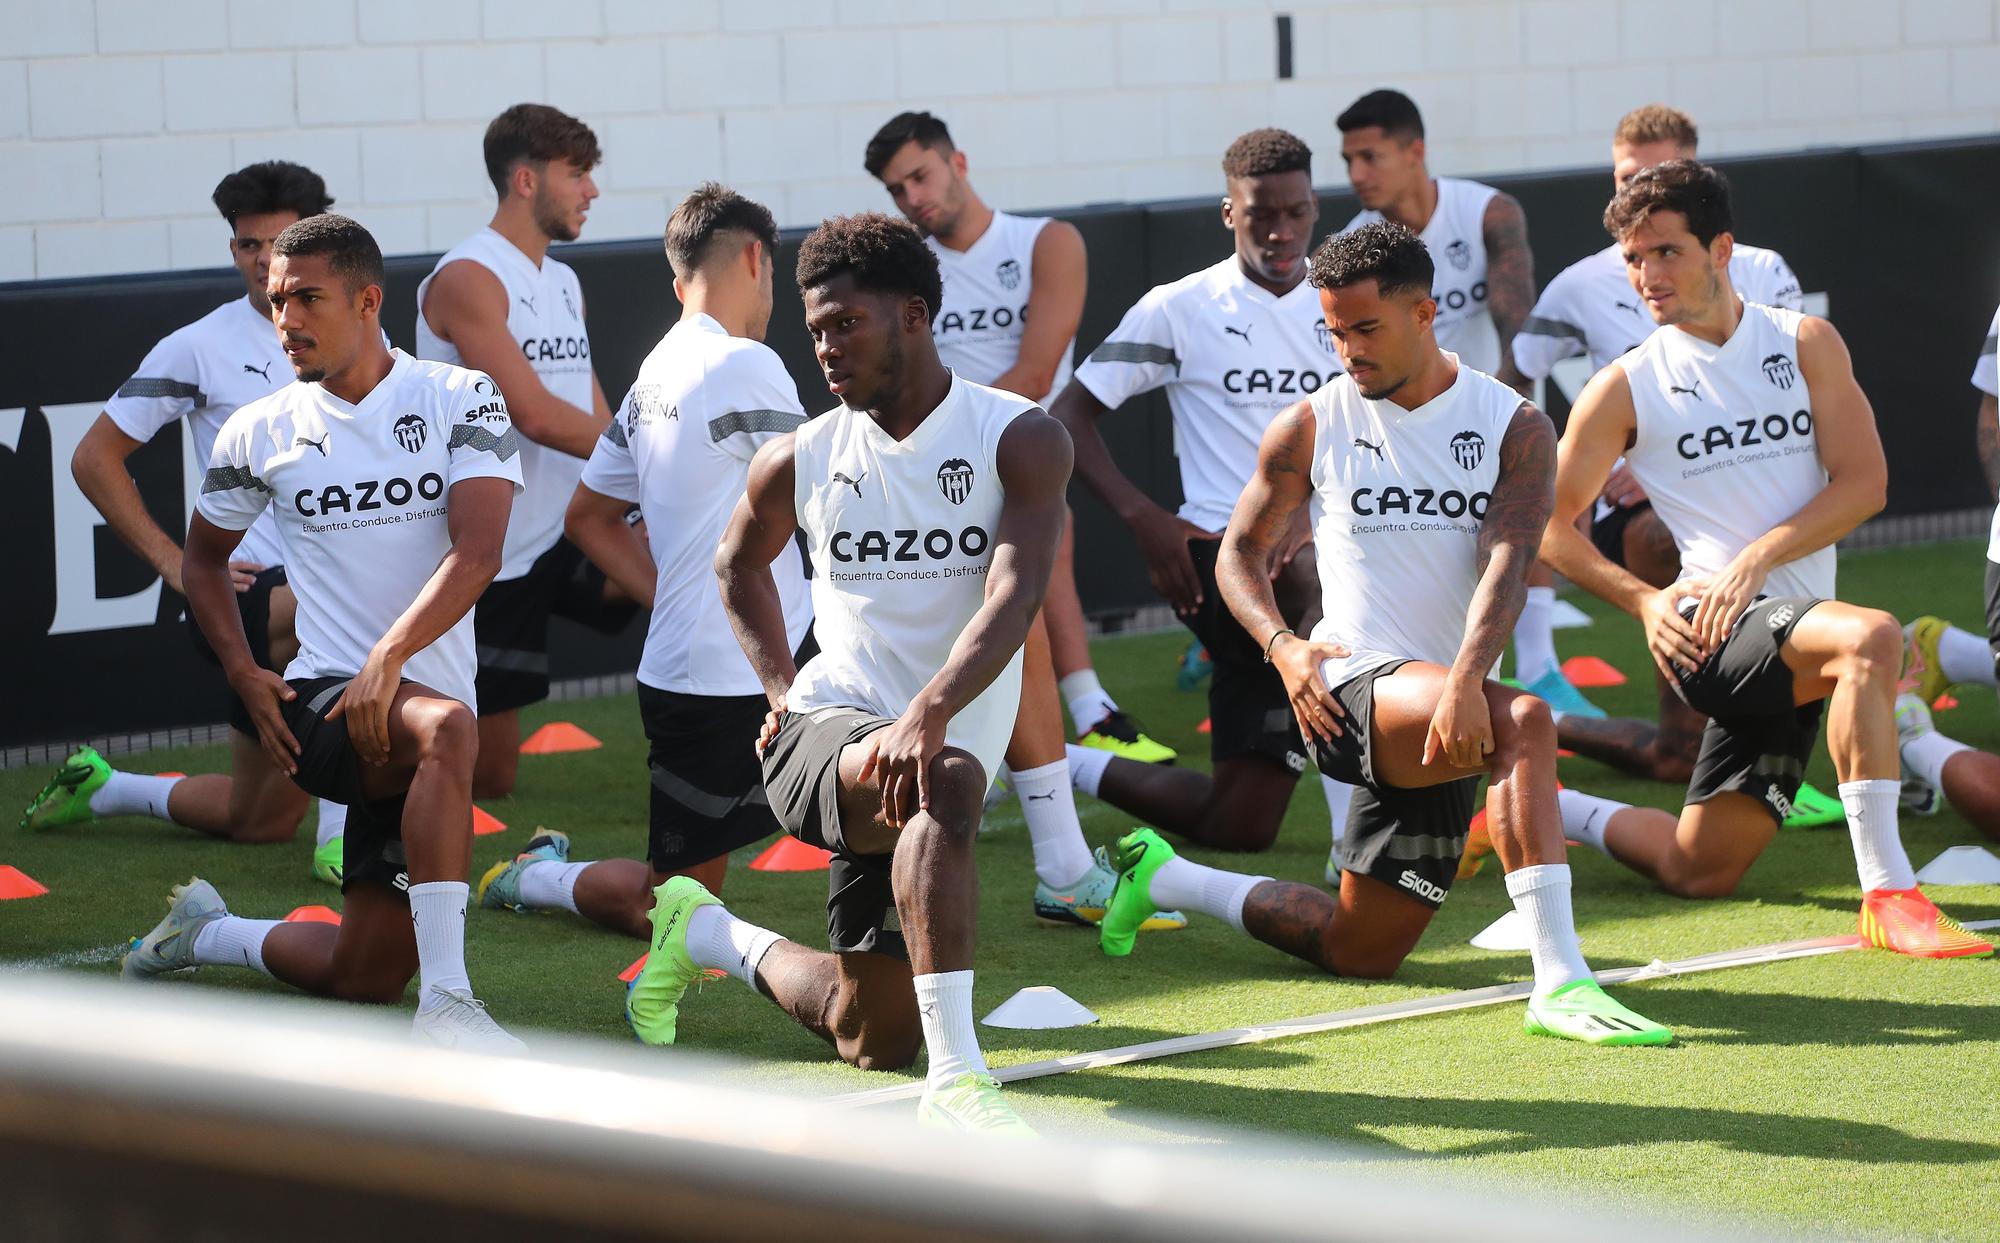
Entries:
{"x":1853,"y":1093}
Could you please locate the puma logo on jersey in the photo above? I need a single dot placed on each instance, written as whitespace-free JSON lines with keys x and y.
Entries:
{"x":1693,"y":389}
{"x":1625,"y":306}
{"x":264,"y":371}
{"x":319,"y":444}
{"x":528,"y":302}
{"x":1370,"y":446}
{"x":1049,"y":797}
{"x":852,"y":483}
{"x":1243,"y":332}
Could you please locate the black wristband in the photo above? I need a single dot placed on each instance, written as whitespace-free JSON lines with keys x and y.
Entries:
{"x":1273,"y":640}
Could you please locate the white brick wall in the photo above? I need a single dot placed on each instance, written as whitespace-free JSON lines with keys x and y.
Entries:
{"x":118,"y":116}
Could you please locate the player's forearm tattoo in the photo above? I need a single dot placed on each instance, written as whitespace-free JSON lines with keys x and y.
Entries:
{"x":1242,"y":571}
{"x":1523,"y":497}
{"x":1510,"y":268}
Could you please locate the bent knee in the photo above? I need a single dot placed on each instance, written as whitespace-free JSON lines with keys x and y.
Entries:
{"x":452,"y":730}
{"x":263,"y":831}
{"x":1243,"y":835}
{"x":1702,"y":883}
{"x":870,"y":1051}
{"x":957,"y":779}
{"x":370,"y":991}
{"x":1366,"y":965}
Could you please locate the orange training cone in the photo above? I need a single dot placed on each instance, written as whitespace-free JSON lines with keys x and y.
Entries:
{"x":1945,"y":702}
{"x":1585,"y":671}
{"x":170,"y":774}
{"x":314,"y":915}
{"x":14,"y":883}
{"x":557,"y":737}
{"x":789,"y":854}
{"x":631,"y":973}
{"x":485,"y":822}
{"x":1206,"y":725}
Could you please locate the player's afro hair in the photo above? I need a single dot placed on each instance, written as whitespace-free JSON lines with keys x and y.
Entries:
{"x":881,"y":253}
{"x":1384,"y":252}
{"x":274,"y":185}
{"x":350,"y":250}
{"x":1262,"y":152}
{"x":1697,"y":191}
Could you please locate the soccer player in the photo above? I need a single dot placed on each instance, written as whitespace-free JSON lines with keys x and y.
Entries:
{"x":706,"y":399}
{"x":498,"y":302}
{"x":1939,"y":768}
{"x":1478,"y":237}
{"x":1589,"y":309}
{"x":1746,"y":428}
{"x":203,"y":373}
{"x":1013,"y":294}
{"x":931,"y":507}
{"x":1233,"y":344}
{"x":390,"y":480}
{"x":1428,"y":485}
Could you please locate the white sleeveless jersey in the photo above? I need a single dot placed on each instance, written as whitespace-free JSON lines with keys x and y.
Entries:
{"x":680,"y":447}
{"x":1590,"y":307}
{"x":1231,"y":355}
{"x":202,"y":373}
{"x":986,"y":291}
{"x":544,"y":314}
{"x":1397,"y":502}
{"x":1456,"y":238}
{"x":1726,"y":446}
{"x":1986,"y":378}
{"x":901,"y":536}
{"x":361,"y":495}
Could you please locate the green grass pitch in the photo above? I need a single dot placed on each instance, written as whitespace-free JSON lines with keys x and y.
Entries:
{"x":1852,"y":1093}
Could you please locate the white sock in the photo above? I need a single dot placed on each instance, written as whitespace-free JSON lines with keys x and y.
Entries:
{"x":1871,"y":822}
{"x":437,"y":909}
{"x":944,"y":1003}
{"x":1086,"y":767}
{"x":134,"y":794}
{"x":1927,"y":753}
{"x":233,"y":941}
{"x":1965,"y":657}
{"x":1339,"y":801}
{"x":1061,"y":857}
{"x":1183,"y":885}
{"x":1535,"y":636}
{"x":1584,"y":816}
{"x":719,"y":940}
{"x":549,"y":885}
{"x":1088,"y":702}
{"x":332,"y":822}
{"x":1541,"y":894}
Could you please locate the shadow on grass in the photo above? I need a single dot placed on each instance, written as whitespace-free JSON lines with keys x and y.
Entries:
{"x":1789,"y":1021}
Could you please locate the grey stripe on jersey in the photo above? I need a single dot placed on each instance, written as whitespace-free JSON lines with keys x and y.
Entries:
{"x":737,"y":422}
{"x":1992,"y":344}
{"x":1135,"y":352}
{"x":1552,"y":328}
{"x":614,"y":432}
{"x":503,"y":446}
{"x":231,"y":479}
{"x":154,"y":386}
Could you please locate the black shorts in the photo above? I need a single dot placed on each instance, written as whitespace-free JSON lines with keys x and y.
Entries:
{"x":1993,"y":612}
{"x":254,"y":606}
{"x":1757,"y":740}
{"x":1410,"y":840}
{"x":1248,"y":710}
{"x":372,"y":846}
{"x":1608,"y":532}
{"x":708,"y":788}
{"x":802,"y":780}
{"x":511,"y":624}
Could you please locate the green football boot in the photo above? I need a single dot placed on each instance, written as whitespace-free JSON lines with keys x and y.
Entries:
{"x":66,"y":798}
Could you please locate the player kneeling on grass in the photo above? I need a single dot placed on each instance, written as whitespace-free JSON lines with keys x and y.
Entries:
{"x":391,"y":479}
{"x":1429,"y":485}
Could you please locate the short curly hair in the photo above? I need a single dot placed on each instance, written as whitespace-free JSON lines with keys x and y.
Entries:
{"x":274,"y":185}
{"x":1385,"y":252}
{"x":1262,"y":152}
{"x":882,"y":253}
{"x":1697,"y":191}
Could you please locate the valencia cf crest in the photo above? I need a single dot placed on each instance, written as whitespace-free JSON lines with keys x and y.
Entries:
{"x":955,"y":480}
{"x":1009,"y":274}
{"x":1468,"y":448}
{"x":1778,"y":369}
{"x":1324,"y":334}
{"x":411,"y":431}
{"x":1460,"y":255}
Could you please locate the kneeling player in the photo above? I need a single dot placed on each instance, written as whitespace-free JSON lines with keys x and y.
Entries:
{"x":1429,"y":484}
{"x":391,"y":480}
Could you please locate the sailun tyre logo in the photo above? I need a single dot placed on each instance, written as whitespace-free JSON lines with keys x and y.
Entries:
{"x":955,"y":480}
{"x":1778,"y":369}
{"x":411,"y":431}
{"x":1009,"y":273}
{"x":1468,"y":448}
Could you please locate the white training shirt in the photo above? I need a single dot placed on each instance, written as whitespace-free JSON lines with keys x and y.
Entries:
{"x":1231,"y":355}
{"x":987,"y":287}
{"x":361,"y":495}
{"x":1456,"y":238}
{"x":901,"y":535}
{"x":1986,"y":378}
{"x":1397,"y":503}
{"x":680,"y":448}
{"x":1726,"y":446}
{"x":203,"y":372}
{"x":1590,"y":307}
{"x":544,"y":314}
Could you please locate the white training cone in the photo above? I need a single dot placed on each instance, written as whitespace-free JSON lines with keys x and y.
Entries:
{"x":1509,"y":932}
{"x":1962,"y":865}
{"x":1566,"y":616}
{"x":1039,"y":1007}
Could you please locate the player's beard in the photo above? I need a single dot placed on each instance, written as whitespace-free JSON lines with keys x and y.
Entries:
{"x":553,"y":222}
{"x":311,"y":375}
{"x":889,"y":377}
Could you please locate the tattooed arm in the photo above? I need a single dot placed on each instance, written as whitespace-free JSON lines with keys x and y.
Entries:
{"x":1989,"y":440}
{"x":1510,"y":281}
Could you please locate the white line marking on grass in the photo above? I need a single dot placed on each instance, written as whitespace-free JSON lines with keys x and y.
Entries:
{"x":69,"y":958}
{"x":1386,"y":1012}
